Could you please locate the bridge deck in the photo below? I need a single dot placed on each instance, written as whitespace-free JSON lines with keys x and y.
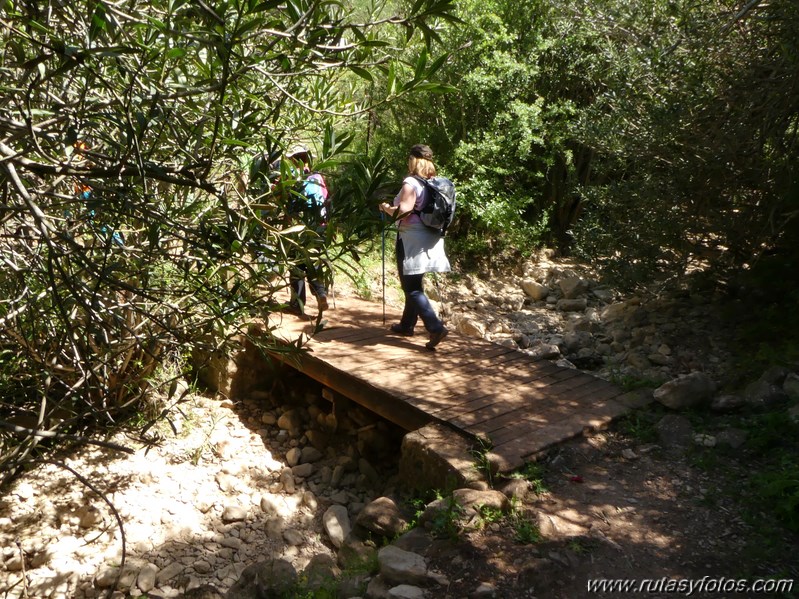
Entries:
{"x":521,"y":404}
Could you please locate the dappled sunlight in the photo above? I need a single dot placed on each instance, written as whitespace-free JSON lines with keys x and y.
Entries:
{"x":212,"y":494}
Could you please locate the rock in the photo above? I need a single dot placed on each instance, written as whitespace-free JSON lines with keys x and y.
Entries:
{"x":293,"y":456}
{"x":572,"y":305}
{"x":629,"y":454}
{"x":293,"y":537}
{"x":732,"y":437}
{"x":226,"y":482}
{"x":271,"y":578}
{"x":402,"y":567}
{"x":406,"y":591}
{"x":369,"y":471}
{"x":309,"y":500}
{"x":515,"y":488}
{"x":321,"y":574}
{"x":577,"y":340}
{"x":763,"y":394}
{"x":674,"y":431}
{"x":434,"y":457}
{"x":287,"y":480}
{"x":310,"y":454}
{"x":468,"y":500}
{"x":146,"y":578}
{"x":572,"y":287}
{"x":686,"y":391}
{"x":638,"y":360}
{"x":234,"y":513}
{"x":206,"y":591}
{"x":485,"y":590}
{"x":168,"y":572}
{"x":775,"y":375}
{"x":791,"y":386}
{"x":544,"y":351}
{"x":355,"y":554}
{"x":302,"y":470}
{"x":704,"y":440}
{"x":318,"y":439}
{"x":470,"y":327}
{"x":336,"y":522}
{"x":659,"y":359}
{"x":620,"y":310}
{"x":106,"y":577}
{"x":604,"y":295}
{"x":535,"y":290}
{"x":588,"y":322}
{"x":793,"y":413}
{"x":290,"y":420}
{"x":727,"y":403}
{"x":378,"y":588}
{"x":202,"y":566}
{"x":382,"y":517}
{"x":24,"y":491}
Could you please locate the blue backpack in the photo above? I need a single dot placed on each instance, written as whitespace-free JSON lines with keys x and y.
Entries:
{"x":438,"y":210}
{"x":314,"y":190}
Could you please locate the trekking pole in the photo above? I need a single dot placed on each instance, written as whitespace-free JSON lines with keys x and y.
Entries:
{"x":383,"y":235}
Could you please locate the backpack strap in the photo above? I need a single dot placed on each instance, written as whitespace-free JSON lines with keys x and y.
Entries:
{"x":424,"y":183}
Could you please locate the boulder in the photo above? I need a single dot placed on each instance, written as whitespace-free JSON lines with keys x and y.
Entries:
{"x":572,"y":305}
{"x":382,"y":517}
{"x":270,"y":578}
{"x":535,"y":290}
{"x":572,"y":287}
{"x":791,"y":386}
{"x":686,"y":391}
{"x":763,"y":394}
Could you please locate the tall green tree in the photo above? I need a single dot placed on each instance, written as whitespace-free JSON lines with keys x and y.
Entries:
{"x":637,"y":134}
{"x":129,"y":235}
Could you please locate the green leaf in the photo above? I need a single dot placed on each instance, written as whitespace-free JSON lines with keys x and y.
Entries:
{"x":175,"y":53}
{"x":361,"y":72}
{"x":99,"y":22}
{"x":268,"y":5}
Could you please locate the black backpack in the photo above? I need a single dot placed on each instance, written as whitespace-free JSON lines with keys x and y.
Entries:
{"x":438,"y":210}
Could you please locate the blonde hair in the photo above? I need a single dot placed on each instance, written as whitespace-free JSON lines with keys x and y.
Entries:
{"x":421,"y":167}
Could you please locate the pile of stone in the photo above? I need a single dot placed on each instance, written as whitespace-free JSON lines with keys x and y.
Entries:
{"x":565,"y":315}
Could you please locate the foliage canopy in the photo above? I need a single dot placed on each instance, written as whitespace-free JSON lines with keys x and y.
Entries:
{"x":128,"y":234}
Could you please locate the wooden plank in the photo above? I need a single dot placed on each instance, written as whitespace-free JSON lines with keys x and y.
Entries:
{"x":424,"y":364}
{"x":525,"y":392}
{"x":372,"y":397}
{"x":584,"y":414}
{"x":524,"y":405}
{"x":523,"y":418}
{"x":520,"y":449}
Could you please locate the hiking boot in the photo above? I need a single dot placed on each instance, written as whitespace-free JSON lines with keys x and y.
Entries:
{"x":436,"y":338}
{"x":399,"y":330}
{"x":321,"y":302}
{"x":294,"y":309}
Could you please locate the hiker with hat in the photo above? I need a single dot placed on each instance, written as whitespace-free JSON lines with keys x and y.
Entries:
{"x":310,"y":204}
{"x":419,"y":249}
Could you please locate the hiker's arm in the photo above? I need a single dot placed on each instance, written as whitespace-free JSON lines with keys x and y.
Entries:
{"x":406,"y":203}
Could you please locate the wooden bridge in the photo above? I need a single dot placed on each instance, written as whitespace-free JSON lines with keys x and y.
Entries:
{"x":521,"y":404}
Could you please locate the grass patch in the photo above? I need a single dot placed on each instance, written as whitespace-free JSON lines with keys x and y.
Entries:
{"x":525,"y":529}
{"x":774,"y":485}
{"x":640,"y":425}
{"x":533,"y":473}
